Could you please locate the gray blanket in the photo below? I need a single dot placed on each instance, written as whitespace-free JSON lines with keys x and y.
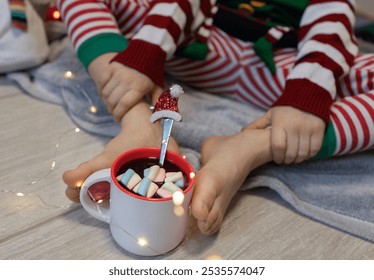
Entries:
{"x":338,"y":192}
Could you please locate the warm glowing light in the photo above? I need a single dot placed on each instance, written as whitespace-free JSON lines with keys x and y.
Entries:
{"x":184,"y":156}
{"x":100,"y":201}
{"x":53,"y":165}
{"x":178,"y":198}
{"x":79,"y":184}
{"x":68,"y":75}
{"x":214,"y":257}
{"x":192,"y":175}
{"x":77,"y":129}
{"x":142,"y":242}
{"x":93,"y":109}
{"x":56,"y":15}
{"x":20,"y":194}
{"x":178,"y":211}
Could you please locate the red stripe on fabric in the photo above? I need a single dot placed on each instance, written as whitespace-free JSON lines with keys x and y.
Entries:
{"x":87,"y":31}
{"x":226,"y":48}
{"x":134,"y":23}
{"x":86,"y":21}
{"x":359,"y":81}
{"x":185,"y":7}
{"x":347,"y":81}
{"x":335,"y":41}
{"x":339,"y":127}
{"x":271,"y":38}
{"x":250,"y":78}
{"x":363,"y":122}
{"x":166,"y":23}
{"x":342,"y":18}
{"x":257,"y":85}
{"x":313,"y":2}
{"x":188,"y":65}
{"x":208,"y":75}
{"x":120,"y":13}
{"x":370,"y":74}
{"x":87,"y":12}
{"x":260,"y":103}
{"x":265,"y":80}
{"x":325,"y":61}
{"x":352,"y":128}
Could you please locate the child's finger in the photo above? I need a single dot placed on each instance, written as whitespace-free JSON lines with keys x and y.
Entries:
{"x":292,"y":148}
{"x":261,"y":123}
{"x":316,"y":143}
{"x":304,"y":148}
{"x":278,"y":138}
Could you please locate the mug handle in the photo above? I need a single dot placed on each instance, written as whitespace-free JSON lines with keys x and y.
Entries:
{"x":93,"y":208}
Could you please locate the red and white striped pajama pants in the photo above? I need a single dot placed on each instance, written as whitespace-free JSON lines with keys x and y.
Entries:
{"x":232,"y":67}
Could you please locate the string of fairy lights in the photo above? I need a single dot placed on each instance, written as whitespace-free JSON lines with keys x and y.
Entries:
{"x":178,"y":197}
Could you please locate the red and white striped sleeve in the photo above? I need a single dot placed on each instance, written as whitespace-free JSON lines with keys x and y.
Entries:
{"x":167,"y":24}
{"x":92,"y":28}
{"x":326,"y":51}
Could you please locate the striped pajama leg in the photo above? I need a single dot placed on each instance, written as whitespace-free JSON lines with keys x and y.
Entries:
{"x":232,"y":67}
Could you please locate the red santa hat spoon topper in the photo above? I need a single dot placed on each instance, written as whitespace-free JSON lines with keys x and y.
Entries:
{"x":166,"y":108}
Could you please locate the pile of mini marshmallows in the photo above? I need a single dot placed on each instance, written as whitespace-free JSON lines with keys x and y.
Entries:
{"x":147,"y":187}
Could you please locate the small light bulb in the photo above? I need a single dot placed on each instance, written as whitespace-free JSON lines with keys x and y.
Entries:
{"x":214,"y":257}
{"x":178,"y":198}
{"x":79,"y":184}
{"x":77,"y":129}
{"x":68,"y":75}
{"x":20,"y":194}
{"x":53,"y":165}
{"x":56,"y":15}
{"x":192,"y":175}
{"x":142,"y":242}
{"x":93,"y":109}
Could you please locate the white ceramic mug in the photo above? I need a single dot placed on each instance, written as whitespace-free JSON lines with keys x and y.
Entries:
{"x":140,"y":225}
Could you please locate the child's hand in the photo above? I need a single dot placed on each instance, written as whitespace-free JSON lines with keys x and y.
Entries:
{"x":295,"y":135}
{"x":120,"y":86}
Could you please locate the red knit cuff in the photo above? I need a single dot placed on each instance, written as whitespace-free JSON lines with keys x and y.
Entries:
{"x":306,"y":96}
{"x":146,"y":58}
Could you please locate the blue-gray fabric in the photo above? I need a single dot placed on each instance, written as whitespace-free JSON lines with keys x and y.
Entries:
{"x":338,"y":192}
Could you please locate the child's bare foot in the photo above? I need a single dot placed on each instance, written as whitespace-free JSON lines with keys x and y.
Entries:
{"x":227,"y":161}
{"x":136,"y":131}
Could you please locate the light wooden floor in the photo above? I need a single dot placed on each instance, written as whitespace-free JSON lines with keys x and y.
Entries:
{"x":39,"y":225}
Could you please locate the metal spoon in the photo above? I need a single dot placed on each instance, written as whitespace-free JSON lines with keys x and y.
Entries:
{"x":167,"y":125}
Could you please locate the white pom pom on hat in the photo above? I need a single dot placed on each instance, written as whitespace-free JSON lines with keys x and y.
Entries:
{"x":176,"y":90}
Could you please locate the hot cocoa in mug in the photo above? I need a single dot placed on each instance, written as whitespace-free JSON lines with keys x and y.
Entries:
{"x":149,"y":205}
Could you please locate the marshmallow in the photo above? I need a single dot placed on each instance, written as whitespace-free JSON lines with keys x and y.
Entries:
{"x":164,"y":193}
{"x":129,"y":179}
{"x":173,"y":176}
{"x":160,"y":176}
{"x":179,"y":183}
{"x":143,"y":187}
{"x":152,"y":189}
{"x":151,"y":172}
{"x":171,"y":187}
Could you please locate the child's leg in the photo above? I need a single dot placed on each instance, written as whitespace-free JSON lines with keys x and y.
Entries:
{"x":351,"y":128}
{"x":136,"y":129}
{"x":232,"y":67}
{"x":227,"y":161}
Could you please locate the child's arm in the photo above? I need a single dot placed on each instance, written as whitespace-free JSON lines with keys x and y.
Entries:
{"x":138,"y":69}
{"x":166,"y":26}
{"x":326,"y":51}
